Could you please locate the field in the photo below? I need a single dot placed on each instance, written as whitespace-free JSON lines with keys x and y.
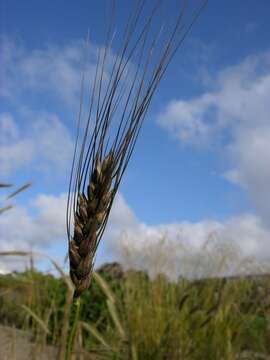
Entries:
{"x":186,"y":230}
{"x":127,"y":315}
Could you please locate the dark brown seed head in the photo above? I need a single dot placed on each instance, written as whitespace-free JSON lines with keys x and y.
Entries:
{"x":90,"y":215}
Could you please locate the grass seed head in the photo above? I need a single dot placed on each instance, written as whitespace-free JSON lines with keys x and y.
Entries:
{"x":90,"y":215}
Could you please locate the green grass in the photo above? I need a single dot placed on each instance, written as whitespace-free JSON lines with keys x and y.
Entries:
{"x":134,"y":317}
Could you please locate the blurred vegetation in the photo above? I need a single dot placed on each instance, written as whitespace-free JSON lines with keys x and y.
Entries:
{"x":127,"y":315}
{"x":4,"y":208}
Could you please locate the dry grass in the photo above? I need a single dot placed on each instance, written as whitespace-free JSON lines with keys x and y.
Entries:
{"x":12,"y":194}
{"x":143,"y":318}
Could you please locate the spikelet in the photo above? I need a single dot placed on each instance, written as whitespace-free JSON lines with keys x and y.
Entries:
{"x":91,"y":212}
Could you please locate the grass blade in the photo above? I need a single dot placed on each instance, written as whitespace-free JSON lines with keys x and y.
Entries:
{"x":40,"y":322}
{"x":20,"y":189}
{"x":2,"y":185}
{"x":110,"y":303}
{"x":63,"y":274}
{"x":92,"y":330}
{"x":115,"y":318}
{"x":14,"y":253}
{"x":5,"y":208}
{"x":104,"y":287}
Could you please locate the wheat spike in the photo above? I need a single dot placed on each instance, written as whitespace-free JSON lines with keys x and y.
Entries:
{"x":122,"y":98}
{"x":89,"y":217}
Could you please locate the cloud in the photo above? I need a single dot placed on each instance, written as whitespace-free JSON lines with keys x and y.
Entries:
{"x":250,"y":156}
{"x":191,"y":249}
{"x":43,"y":143}
{"x":184,"y":119}
{"x":52,"y":69}
{"x":15,"y":152}
{"x":234,"y":114}
{"x":34,"y":80}
{"x":36,"y":226}
{"x":39,"y":226}
{"x":240,"y":99}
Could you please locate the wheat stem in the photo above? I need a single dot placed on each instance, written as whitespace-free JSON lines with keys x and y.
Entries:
{"x":77,"y":306}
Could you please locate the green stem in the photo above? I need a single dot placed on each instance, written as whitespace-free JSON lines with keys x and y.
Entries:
{"x":77,"y":305}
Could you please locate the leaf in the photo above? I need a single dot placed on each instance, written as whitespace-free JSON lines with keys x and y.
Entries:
{"x":115,"y":318}
{"x":110,"y":303}
{"x":104,"y":287}
{"x":92,"y":329}
{"x":5,"y":208}
{"x":134,"y":354}
{"x":40,"y":322}
{"x":2,"y":185}
{"x":14,"y":253}
{"x":62,"y":273}
{"x":20,"y":189}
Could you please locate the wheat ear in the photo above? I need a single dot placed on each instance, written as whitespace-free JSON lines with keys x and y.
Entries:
{"x":89,"y":217}
{"x":102,"y":153}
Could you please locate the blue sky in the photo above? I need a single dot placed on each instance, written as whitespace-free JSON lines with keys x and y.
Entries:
{"x":201,"y":163}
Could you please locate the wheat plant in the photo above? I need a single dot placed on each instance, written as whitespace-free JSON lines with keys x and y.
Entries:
{"x":121,"y":92}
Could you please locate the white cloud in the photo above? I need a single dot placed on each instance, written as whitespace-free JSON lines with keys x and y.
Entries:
{"x":31,"y":137}
{"x":184,"y":119}
{"x":235,"y":115}
{"x":191,"y":249}
{"x":240,"y":99}
{"x":52,"y":69}
{"x":43,"y":142}
{"x":38,"y":227}
{"x":32,"y":80}
{"x":250,"y":156}
{"x":51,"y":215}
